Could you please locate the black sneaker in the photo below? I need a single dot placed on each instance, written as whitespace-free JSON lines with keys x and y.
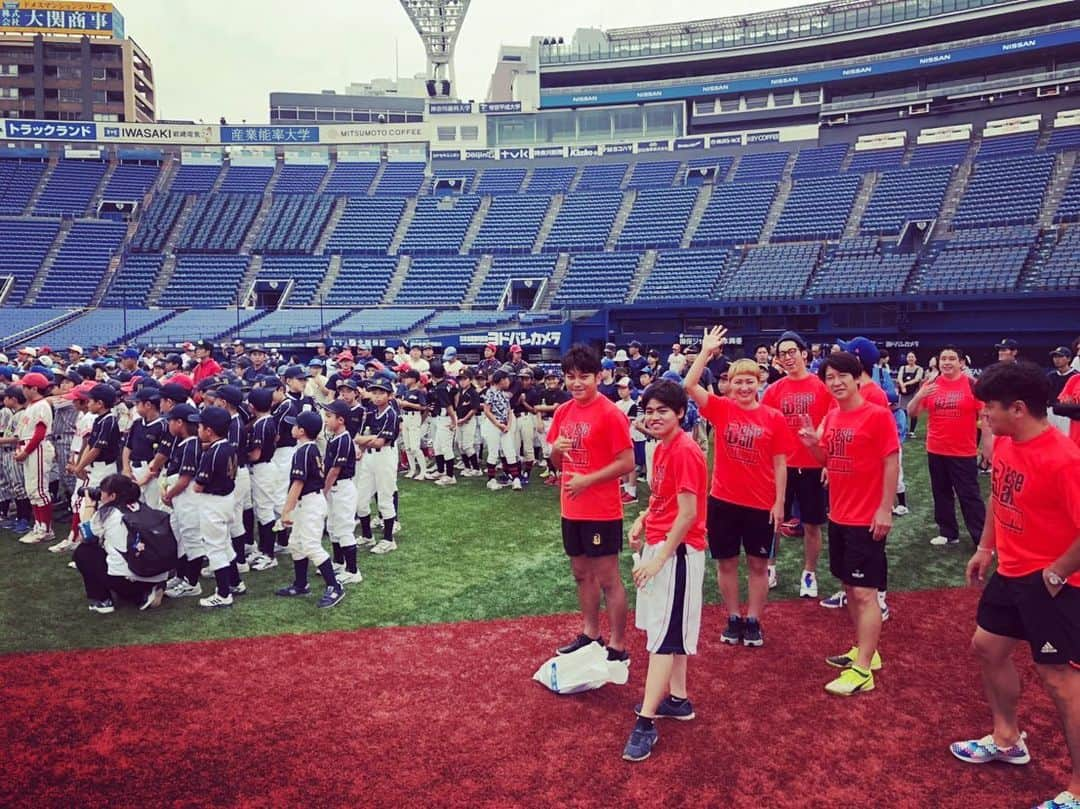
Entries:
{"x":580,"y":642}
{"x":669,"y":709}
{"x":617,"y":656}
{"x":752,"y":633}
{"x":734,"y":632}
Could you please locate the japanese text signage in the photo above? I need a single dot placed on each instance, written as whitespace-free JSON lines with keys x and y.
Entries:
{"x":269,"y":134}
{"x":48,"y":17}
{"x":50,"y":130}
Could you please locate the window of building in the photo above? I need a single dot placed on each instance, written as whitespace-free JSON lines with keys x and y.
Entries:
{"x":70,"y":96}
{"x":9,"y":92}
{"x":413,"y":118}
{"x":305,"y":115}
{"x":68,"y":72}
{"x":470,"y":133}
{"x":101,"y":97}
{"x":9,"y":70}
{"x":324,"y":115}
{"x":361,"y":116}
{"x":445,"y":133}
{"x":396,"y":117}
{"x":343,"y":115}
{"x":99,"y":73}
{"x":106,"y":116}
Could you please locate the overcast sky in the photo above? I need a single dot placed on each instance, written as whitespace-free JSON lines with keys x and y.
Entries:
{"x":224,"y":58}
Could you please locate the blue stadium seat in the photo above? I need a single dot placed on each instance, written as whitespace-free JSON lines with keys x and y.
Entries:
{"x":439,"y":225}
{"x":862,"y":266}
{"x":372,"y":323}
{"x":211,"y":324}
{"x":1064,"y":138}
{"x":205,"y":280}
{"x":306,"y":272}
{"x":70,"y":188}
{"x":721,"y":165}
{"x":291,"y":324}
{"x":1068,"y":209}
{"x":1007,"y":146}
{"x":436,"y":280}
{"x":511,"y":224}
{"x":951,"y":153}
{"x":194,"y":179}
{"x":499,"y":182}
{"x":133,"y":281}
{"x":583,"y":222}
{"x":984,"y":260}
{"x":772,"y":271}
{"x":735,"y":214}
{"x":684,"y":275}
{"x":157,"y":220}
{"x":14,"y":320}
{"x":820,"y":161}
{"x":507,"y":268}
{"x":362,"y":280}
{"x":658,"y":218}
{"x":107,"y":327}
{"x":1005,"y":192}
{"x":300,"y":179}
{"x":904,"y":195}
{"x":401,"y":179}
{"x":597,"y":279}
{"x":18,"y":179}
{"x":758,"y":167}
{"x":653,"y":174}
{"x":602,"y":177}
{"x":81,"y":263}
{"x":445,"y":182}
{"x":1062,"y":270}
{"x":551,"y":179}
{"x":219,"y":223}
{"x":294,"y":223}
{"x":456,"y":321}
{"x":131,"y":181}
{"x":876,"y":160}
{"x":351,"y":179}
{"x":818,"y":208}
{"x":246,"y":179}
{"x":23,"y":245}
{"x":367,"y":226}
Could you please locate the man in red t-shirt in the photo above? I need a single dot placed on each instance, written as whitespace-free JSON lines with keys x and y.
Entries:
{"x":206,"y":366}
{"x":952,"y":431}
{"x":671,"y":568}
{"x":591,"y":447}
{"x":1068,"y":405}
{"x":803,"y":400}
{"x":1035,"y":594}
{"x":859,"y":446}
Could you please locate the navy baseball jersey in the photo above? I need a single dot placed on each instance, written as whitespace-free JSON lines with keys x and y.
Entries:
{"x":384,"y":425}
{"x":307,"y":467}
{"x":105,"y":437}
{"x":217,"y":468}
{"x":470,"y":402}
{"x":143,"y":439}
{"x":290,"y":406}
{"x":354,"y":422}
{"x":165,"y":448}
{"x":341,"y":451}
{"x":263,"y":437}
{"x":443,"y":398}
{"x":238,"y":439}
{"x":187,"y":460}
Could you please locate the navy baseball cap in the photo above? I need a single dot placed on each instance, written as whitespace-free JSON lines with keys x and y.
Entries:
{"x":230,"y":394}
{"x":183,"y":412}
{"x":103,"y":393}
{"x":261,"y":399}
{"x":171,"y":390}
{"x":130,"y":354}
{"x":308,"y":421}
{"x":216,"y":418}
{"x":380,"y":383}
{"x":296,"y":372}
{"x":672,"y":376}
{"x":338,"y":408}
{"x":148,"y":394}
{"x":1007,"y":343}
{"x":347,"y":383}
{"x":271,"y":382}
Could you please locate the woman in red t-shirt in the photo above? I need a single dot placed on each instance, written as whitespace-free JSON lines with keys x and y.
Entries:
{"x":749,"y":482}
{"x":670,"y":571}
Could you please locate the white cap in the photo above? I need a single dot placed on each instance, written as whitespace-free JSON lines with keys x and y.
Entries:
{"x":28,"y":350}
{"x":76,"y":348}
{"x":624,"y":382}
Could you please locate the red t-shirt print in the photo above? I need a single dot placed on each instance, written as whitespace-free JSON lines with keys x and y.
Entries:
{"x":795,"y":398}
{"x":1035,"y":501}
{"x":856,"y":442}
{"x":953,"y":416}
{"x":599,"y":434}
{"x":746,"y":442}
{"x":678,"y":468}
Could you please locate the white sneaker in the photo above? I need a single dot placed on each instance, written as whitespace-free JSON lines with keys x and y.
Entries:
{"x":345,"y":577}
{"x":63,"y":545}
{"x":376,"y":522}
{"x":184,"y":590}
{"x":446,"y":480}
{"x":365,"y":543}
{"x":494,"y":485}
{"x":900,"y":511}
{"x":397,"y":528}
{"x":243,"y":567}
{"x":339,"y":568}
{"x":808,"y":585}
{"x":883,"y":606}
{"x":772,"y":577}
{"x":384,"y":547}
{"x":262,"y":562}
{"x":433,"y":475}
{"x":940,"y":540}
{"x":214,"y":600}
{"x":516,"y":485}
{"x":37,"y":533}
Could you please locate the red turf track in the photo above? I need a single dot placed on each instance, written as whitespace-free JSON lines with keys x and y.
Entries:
{"x":447,"y":716}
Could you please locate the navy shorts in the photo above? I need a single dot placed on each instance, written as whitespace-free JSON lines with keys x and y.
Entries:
{"x":856,"y":558}
{"x":639,"y":453}
{"x":592,"y":537}
{"x":1021,"y":607}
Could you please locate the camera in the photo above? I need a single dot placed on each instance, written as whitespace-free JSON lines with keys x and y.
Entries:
{"x":93,"y":492}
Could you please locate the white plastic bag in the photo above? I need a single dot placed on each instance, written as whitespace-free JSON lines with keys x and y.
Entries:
{"x":584,"y":670}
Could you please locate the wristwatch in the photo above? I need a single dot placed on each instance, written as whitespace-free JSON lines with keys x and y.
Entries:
{"x":1054,"y":579}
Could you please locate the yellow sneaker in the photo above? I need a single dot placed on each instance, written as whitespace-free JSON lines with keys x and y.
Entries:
{"x":852,"y":681}
{"x":847,"y":660}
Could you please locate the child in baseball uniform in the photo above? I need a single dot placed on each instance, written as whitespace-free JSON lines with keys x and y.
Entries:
{"x":340,"y":491}
{"x":179,"y":496}
{"x":261,"y":444}
{"x":498,"y":431}
{"x":413,"y":402}
{"x":36,"y":454}
{"x":377,"y":476}
{"x":12,"y":471}
{"x":305,"y":513}
{"x":215,"y":485}
{"x":467,"y":435}
{"x":102,"y":448}
{"x":241,"y":526}
{"x":141,"y":446}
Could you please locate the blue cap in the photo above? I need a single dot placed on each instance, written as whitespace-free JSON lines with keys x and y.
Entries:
{"x":864,"y":349}
{"x":672,"y":376}
{"x":607,"y":363}
{"x":216,"y":418}
{"x":308,"y":421}
{"x":261,"y":399}
{"x":183,"y":412}
{"x":130,"y":354}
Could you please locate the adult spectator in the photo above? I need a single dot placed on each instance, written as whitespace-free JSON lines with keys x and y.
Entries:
{"x":205,"y":364}
{"x":1058,"y":378}
{"x":1076,"y":355}
{"x":636,"y":360}
{"x":908,"y":380}
{"x":1007,"y":350}
{"x":676,"y":360}
{"x":764,"y":358}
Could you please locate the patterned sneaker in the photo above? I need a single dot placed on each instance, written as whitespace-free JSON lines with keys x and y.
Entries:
{"x":184,"y":590}
{"x":683,"y":711}
{"x":1065,"y":800}
{"x":365,"y":543}
{"x":983,"y":751}
{"x":847,"y":660}
{"x":103,"y":607}
{"x":292,"y":591}
{"x":837,"y":601}
{"x":940,"y":540}
{"x":215,"y":601}
{"x":332,"y":596}
{"x":640,"y":744}
{"x":262,"y":562}
{"x":751,"y":635}
{"x":734,"y":633}
{"x":446,"y":480}
{"x":808,"y":585}
{"x":238,"y":590}
{"x":34,"y":536}
{"x":580,"y":642}
{"x":853,"y":681}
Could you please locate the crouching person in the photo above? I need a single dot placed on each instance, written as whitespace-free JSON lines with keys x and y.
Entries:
{"x":99,"y":557}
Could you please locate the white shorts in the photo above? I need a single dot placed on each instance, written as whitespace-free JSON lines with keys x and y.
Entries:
{"x":36,"y":470}
{"x":442,"y":439}
{"x":264,"y":479}
{"x":185,"y":522}
{"x":309,"y":519}
{"x":661,"y":600}
{"x":341,"y":513}
{"x":241,"y":501}
{"x":215,"y":515}
{"x":496,"y":440}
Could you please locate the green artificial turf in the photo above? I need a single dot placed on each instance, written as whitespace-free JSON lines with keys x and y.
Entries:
{"x":465,"y":553}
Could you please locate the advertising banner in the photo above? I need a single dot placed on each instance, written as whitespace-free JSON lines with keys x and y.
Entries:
{"x":500,"y":106}
{"x":56,"y":17}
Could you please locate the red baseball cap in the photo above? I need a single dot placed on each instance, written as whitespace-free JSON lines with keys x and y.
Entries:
{"x":492,"y":346}
{"x":184,"y":381}
{"x":515,"y":349}
{"x":81,"y":391}
{"x":35,"y":380}
{"x":346,"y":355}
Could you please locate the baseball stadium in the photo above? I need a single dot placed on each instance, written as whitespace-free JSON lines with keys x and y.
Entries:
{"x":403,"y":448}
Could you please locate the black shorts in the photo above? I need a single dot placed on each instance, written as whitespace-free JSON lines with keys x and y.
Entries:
{"x":1021,"y":607}
{"x":592,"y":537}
{"x":856,"y":558}
{"x":731,"y":527}
{"x":805,"y":486}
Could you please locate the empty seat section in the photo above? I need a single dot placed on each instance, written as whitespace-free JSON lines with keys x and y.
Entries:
{"x":658,"y":218}
{"x":81,"y":263}
{"x":735,"y":214}
{"x":437,"y":280}
{"x":246,"y":179}
{"x":761,"y":167}
{"x":381,"y":322}
{"x":876,"y":160}
{"x":70,"y":188}
{"x":457,"y":320}
{"x":511,"y":224}
{"x":285,"y":324}
{"x":205,"y":280}
{"x":218,"y":223}
{"x":300,"y":179}
{"x":987,"y":260}
{"x":818,"y":208}
{"x":134,"y":279}
{"x":684,"y":275}
{"x":653,"y":174}
{"x":820,"y":161}
{"x":194,"y":179}
{"x":602,"y":177}
{"x":452,"y":181}
{"x":507,"y":268}
{"x":1068,"y":209}
{"x":697,"y":169}
{"x":906,"y":195}
{"x":951,"y":153}
{"x":14,"y":320}
{"x":402,"y":179}
{"x":306,"y":273}
{"x":353,"y":179}
{"x":772,"y":271}
{"x":211,"y":324}
{"x":1004,"y":192}
{"x":439,"y":224}
{"x":107,"y":327}
{"x":131,"y":181}
{"x":157,"y":220}
{"x":862,"y":266}
{"x":498,"y":182}
{"x":294,"y":223}
{"x":18,"y":179}
{"x":597,"y":279}
{"x":1007,"y":145}
{"x":551,"y":179}
{"x":1062,"y":269}
{"x":367,"y":225}
{"x":583,"y":222}
{"x":23,"y":245}
{"x":1064,"y":137}
{"x":362,"y":280}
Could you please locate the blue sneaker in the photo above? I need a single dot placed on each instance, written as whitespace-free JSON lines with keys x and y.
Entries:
{"x":332,"y":596}
{"x":292,"y":591}
{"x":983,"y":751}
{"x":683,"y":711}
{"x":640,"y":744}
{"x":20,"y":527}
{"x":1065,"y":800}
{"x":836,"y":601}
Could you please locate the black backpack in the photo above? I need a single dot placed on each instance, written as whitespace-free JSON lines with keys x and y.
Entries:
{"x":151,"y":544}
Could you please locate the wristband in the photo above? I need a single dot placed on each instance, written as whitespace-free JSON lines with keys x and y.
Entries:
{"x":988,"y":550}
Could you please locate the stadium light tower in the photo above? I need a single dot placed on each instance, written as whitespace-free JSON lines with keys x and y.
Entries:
{"x":438,"y":22}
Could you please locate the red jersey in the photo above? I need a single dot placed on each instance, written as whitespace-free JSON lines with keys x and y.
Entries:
{"x":856,"y":442}
{"x":953,"y":418}
{"x":795,"y":398}
{"x":1035,"y":501}
{"x":746,"y":442}
{"x":1070,"y":394}
{"x":873,"y":393}
{"x":678,"y":468}
{"x":599,"y":432}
